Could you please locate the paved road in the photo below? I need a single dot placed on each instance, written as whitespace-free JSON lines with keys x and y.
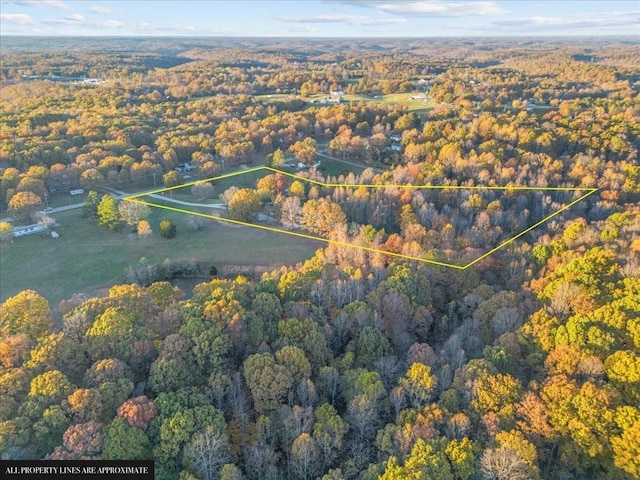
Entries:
{"x":53,"y":210}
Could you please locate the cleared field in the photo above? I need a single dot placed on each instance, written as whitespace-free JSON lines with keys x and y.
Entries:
{"x":331,"y":168}
{"x":275,"y":97}
{"x":414,"y":105}
{"x":87,"y":256}
{"x":417,"y":105}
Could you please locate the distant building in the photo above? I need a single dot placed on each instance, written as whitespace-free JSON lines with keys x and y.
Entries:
{"x":331,"y":100}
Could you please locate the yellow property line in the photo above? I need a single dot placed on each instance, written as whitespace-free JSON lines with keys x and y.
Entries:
{"x":590,"y":191}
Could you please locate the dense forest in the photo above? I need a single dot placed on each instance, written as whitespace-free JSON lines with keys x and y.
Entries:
{"x":356,"y":363}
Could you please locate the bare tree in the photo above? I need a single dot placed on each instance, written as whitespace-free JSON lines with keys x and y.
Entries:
{"x":362,"y":415}
{"x":504,"y":463}
{"x":195,"y":222}
{"x":131,"y":213}
{"x":207,"y":453}
{"x":306,"y":393}
{"x":561,"y":299}
{"x":389,"y":369}
{"x":305,"y":456}
{"x":202,"y":190}
{"x":75,"y":325}
{"x":445,"y":376}
{"x":261,"y":462}
{"x":228,"y":195}
{"x":290,"y":212}
{"x":458,"y":426}
{"x":507,"y":320}
{"x":45,"y":221}
{"x":237,"y":398}
{"x":329,"y":384}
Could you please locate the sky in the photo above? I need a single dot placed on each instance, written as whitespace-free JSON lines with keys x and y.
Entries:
{"x":320,"y":18}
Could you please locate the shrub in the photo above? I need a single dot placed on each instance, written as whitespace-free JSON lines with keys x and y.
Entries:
{"x":167,"y":228}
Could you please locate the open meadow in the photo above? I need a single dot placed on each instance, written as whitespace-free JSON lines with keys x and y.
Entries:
{"x":87,"y":256}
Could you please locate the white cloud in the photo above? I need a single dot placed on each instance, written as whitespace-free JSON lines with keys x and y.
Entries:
{"x":16,"y":18}
{"x":100,"y":10}
{"x":431,"y":8}
{"x":303,"y":29}
{"x":146,"y":27}
{"x":75,"y":19}
{"x":578,"y":21}
{"x":109,"y":24}
{"x":41,"y":3}
{"x":348,"y":19}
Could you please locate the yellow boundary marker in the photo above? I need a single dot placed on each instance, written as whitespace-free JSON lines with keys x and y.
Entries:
{"x":589,"y":191}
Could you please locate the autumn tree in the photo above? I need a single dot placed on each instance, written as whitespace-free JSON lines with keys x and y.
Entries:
{"x":91,"y":178}
{"x":276,"y":159}
{"x":304,"y":151}
{"x":82,"y":440}
{"x":138,"y":412}
{"x":6,"y":232}
{"x":172,"y":179}
{"x":28,"y":313}
{"x":245,"y":205}
{"x":23,"y":205}
{"x":419,"y":383}
{"x":322,"y":217}
{"x":143,"y":229}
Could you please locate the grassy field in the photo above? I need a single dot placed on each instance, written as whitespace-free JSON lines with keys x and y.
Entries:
{"x":87,"y":257}
{"x":334,"y":168}
{"x":417,"y":106}
{"x":245,"y":180}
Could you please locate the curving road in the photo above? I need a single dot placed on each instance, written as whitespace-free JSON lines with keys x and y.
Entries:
{"x":217,"y":206}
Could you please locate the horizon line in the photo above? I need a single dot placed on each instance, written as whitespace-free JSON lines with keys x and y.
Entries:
{"x":399,"y":37}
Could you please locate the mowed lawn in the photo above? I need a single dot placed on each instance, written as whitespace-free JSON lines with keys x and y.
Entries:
{"x":87,"y":256}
